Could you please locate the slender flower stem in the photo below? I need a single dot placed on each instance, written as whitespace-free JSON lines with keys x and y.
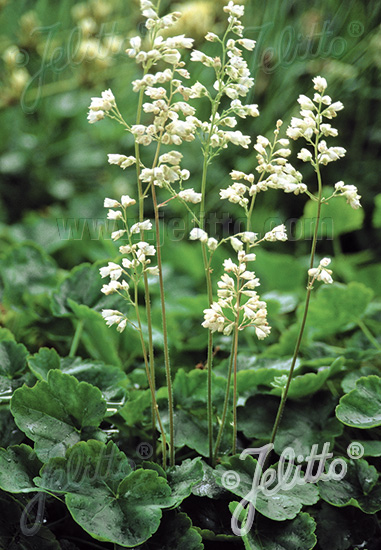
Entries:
{"x":145,"y":278}
{"x":210,"y":356}
{"x":165,"y":331}
{"x":210,"y":300}
{"x":208,"y":277}
{"x":232,"y":369}
{"x":226,"y":402}
{"x":308,"y":296}
{"x":368,"y":334}
{"x":162,"y":298}
{"x":207,"y":159}
{"x":76,"y":339}
{"x":150,"y":382}
{"x":235,"y":392}
{"x":138,"y":327}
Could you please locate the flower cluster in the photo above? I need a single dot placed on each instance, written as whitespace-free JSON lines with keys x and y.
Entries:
{"x":198,"y":234}
{"x":133,"y":265}
{"x":274,"y":169}
{"x":238,"y":303}
{"x":350,"y":192}
{"x":100,"y":106}
{"x":321,"y":273}
{"x":233,"y":79}
{"x":115,"y":317}
{"x":278,"y":233}
{"x":311,"y":125}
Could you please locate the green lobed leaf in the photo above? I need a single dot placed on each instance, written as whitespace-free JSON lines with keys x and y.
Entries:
{"x":348,"y":383}
{"x":183,"y":478}
{"x":337,"y":218}
{"x":104,"y":496}
{"x":135,"y":410}
{"x":43,"y":361}
{"x":336,"y":308}
{"x":18,"y":466}
{"x":296,"y":534}
{"x":191,"y":427}
{"x":311,"y":382}
{"x":100,"y":340}
{"x":361,"y":407}
{"x":27,"y":271}
{"x":207,"y":486}
{"x":175,"y":531}
{"x":339,"y":529}
{"x":6,"y":335}
{"x":9,"y":432}
{"x":359,"y":487}
{"x":56,"y":414}
{"x":109,"y":379}
{"x":12,"y":363}
{"x":370,"y":448}
{"x":285,"y":504}
{"x":83,"y":286}
{"x":304,"y":423}
{"x":251,"y":381}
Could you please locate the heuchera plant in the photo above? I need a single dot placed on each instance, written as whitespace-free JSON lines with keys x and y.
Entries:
{"x":116,"y":448}
{"x":166,"y":118}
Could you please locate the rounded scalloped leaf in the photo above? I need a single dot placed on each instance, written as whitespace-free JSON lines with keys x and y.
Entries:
{"x":109,"y":379}
{"x":82,"y":285}
{"x":43,"y":361}
{"x":12,"y":363}
{"x":359,"y":487}
{"x":18,"y":466}
{"x":56,"y":414}
{"x":12,"y":358}
{"x":107,"y":499}
{"x":296,"y":534}
{"x":284,"y":504}
{"x":361,"y":407}
{"x":183,"y":478}
{"x":303,"y":424}
{"x":191,"y":426}
{"x":175,"y":531}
